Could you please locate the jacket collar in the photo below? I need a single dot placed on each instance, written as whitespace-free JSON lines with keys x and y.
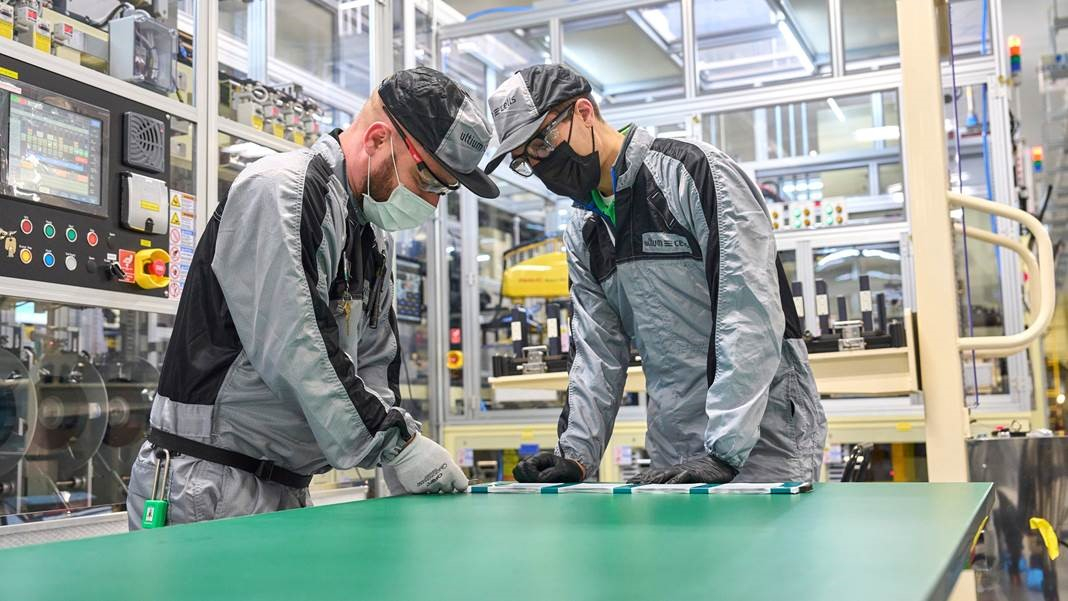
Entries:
{"x":629,"y":162}
{"x":328,"y":146}
{"x":631,"y":157}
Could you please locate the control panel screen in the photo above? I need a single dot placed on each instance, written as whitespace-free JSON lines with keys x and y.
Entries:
{"x":409,"y":287}
{"x":53,"y":151}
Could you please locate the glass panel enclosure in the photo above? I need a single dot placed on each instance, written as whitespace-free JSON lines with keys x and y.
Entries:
{"x":753,"y":42}
{"x":75,"y":395}
{"x":482,"y":62}
{"x":603,"y":47}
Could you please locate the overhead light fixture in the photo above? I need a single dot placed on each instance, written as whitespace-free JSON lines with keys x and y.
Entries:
{"x":877,"y":134}
{"x":483,"y":258}
{"x":836,"y":256}
{"x":1060,"y":399}
{"x":875,"y":253}
{"x":837,"y":110}
{"x":658,"y":20}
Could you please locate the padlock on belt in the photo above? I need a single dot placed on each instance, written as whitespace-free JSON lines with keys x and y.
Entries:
{"x":155,"y":515}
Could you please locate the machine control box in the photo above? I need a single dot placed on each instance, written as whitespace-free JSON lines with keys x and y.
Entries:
{"x":71,"y":210}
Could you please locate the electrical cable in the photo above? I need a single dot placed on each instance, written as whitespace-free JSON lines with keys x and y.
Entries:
{"x":960,"y":189}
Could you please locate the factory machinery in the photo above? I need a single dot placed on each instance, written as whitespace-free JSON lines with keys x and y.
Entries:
{"x":94,"y":249}
{"x":139,"y":42}
{"x":540,"y":337}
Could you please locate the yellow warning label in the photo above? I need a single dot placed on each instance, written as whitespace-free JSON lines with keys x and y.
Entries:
{"x":9,"y":73}
{"x":175,"y":219}
{"x":148,"y":205}
{"x":146,"y":243}
{"x":176,"y":201}
{"x":42,"y":42}
{"x":279,"y":130}
{"x":7,"y":30}
{"x":257,"y":122}
{"x":298,"y":138}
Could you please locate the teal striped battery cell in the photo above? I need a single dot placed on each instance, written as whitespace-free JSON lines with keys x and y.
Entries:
{"x":619,"y":488}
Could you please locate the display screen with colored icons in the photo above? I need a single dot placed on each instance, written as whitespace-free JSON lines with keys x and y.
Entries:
{"x":54,"y":149}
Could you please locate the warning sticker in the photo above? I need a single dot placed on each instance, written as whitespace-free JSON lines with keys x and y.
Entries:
{"x":126,"y":261}
{"x":182,"y":239}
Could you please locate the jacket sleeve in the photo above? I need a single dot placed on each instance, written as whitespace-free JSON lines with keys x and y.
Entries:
{"x":280,"y":240}
{"x":599,"y":369}
{"x":745,"y":346}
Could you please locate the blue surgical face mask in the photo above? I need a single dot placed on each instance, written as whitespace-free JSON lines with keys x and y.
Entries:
{"x":403,"y":209}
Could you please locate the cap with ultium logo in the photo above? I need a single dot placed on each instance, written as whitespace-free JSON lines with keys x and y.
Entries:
{"x":445,"y":120}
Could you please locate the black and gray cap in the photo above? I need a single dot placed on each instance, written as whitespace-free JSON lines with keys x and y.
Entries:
{"x":520,"y":103}
{"x":445,"y":120}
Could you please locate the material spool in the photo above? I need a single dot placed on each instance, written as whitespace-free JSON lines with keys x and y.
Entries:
{"x":72,"y":414}
{"x":18,"y":411}
{"x":131,"y":386}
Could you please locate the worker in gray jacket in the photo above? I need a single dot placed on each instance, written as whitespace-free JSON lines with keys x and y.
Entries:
{"x":284,"y":358}
{"x":670,"y":247}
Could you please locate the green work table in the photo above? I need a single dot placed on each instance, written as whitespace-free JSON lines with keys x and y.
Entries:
{"x":905,"y":542}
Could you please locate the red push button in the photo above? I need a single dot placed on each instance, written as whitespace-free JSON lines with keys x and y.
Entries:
{"x":159,"y":268}
{"x":91,"y":238}
{"x":26,"y":226}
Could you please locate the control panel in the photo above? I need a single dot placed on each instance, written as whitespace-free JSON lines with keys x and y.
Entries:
{"x":84,"y":198}
{"x":808,"y":215}
{"x":409,"y":286}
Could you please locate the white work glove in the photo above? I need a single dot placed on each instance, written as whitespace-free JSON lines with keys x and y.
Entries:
{"x":425,"y":466}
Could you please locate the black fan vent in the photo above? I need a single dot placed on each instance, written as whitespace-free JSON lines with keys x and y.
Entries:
{"x":145,"y":142}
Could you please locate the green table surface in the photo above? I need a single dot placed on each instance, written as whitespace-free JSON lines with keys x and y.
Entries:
{"x":843,"y":541}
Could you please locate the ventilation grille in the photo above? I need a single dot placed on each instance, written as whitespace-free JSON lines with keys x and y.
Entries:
{"x":145,"y":142}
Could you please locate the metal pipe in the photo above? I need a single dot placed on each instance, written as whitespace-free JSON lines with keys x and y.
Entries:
{"x":408,"y":18}
{"x":689,"y":49}
{"x":437,"y":304}
{"x":556,"y":41}
{"x":470,"y":324}
{"x":1011,"y":343}
{"x":837,"y":31}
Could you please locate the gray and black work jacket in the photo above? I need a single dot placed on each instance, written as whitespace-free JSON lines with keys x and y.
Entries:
{"x":688,"y":273}
{"x":264,"y":358}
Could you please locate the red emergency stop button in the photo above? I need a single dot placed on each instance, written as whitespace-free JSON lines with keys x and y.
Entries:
{"x":158,"y":268}
{"x":26,"y":226}
{"x":92,"y":238}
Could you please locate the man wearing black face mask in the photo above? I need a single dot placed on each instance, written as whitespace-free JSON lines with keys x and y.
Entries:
{"x":670,"y":247}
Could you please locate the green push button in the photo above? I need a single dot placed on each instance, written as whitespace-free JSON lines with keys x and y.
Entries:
{"x":49,"y":231}
{"x":72,"y":234}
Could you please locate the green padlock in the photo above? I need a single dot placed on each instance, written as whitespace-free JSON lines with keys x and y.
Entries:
{"x":155,"y":515}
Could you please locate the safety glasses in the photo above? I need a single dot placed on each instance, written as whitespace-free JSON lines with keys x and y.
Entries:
{"x":539,"y":146}
{"x":428,"y":182}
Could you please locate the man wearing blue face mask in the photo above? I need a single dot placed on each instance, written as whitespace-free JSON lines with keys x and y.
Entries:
{"x":670,"y":247}
{"x":284,"y":358}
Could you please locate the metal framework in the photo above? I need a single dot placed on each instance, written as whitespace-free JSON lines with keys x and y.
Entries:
{"x":212,"y":48}
{"x":693,"y":105}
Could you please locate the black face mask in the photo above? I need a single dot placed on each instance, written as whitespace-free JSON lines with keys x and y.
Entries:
{"x":566,"y":173}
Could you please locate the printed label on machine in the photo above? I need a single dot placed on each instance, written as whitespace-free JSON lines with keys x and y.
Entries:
{"x":182,"y":240}
{"x":865,"y":300}
{"x":126,"y":262}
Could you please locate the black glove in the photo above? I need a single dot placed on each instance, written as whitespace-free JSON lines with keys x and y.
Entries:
{"x":548,"y":467}
{"x":699,"y":470}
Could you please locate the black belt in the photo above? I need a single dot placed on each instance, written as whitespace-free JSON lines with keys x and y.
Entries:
{"x":264,"y":469}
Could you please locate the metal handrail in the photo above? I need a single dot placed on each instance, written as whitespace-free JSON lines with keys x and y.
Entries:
{"x":1042,"y":273}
